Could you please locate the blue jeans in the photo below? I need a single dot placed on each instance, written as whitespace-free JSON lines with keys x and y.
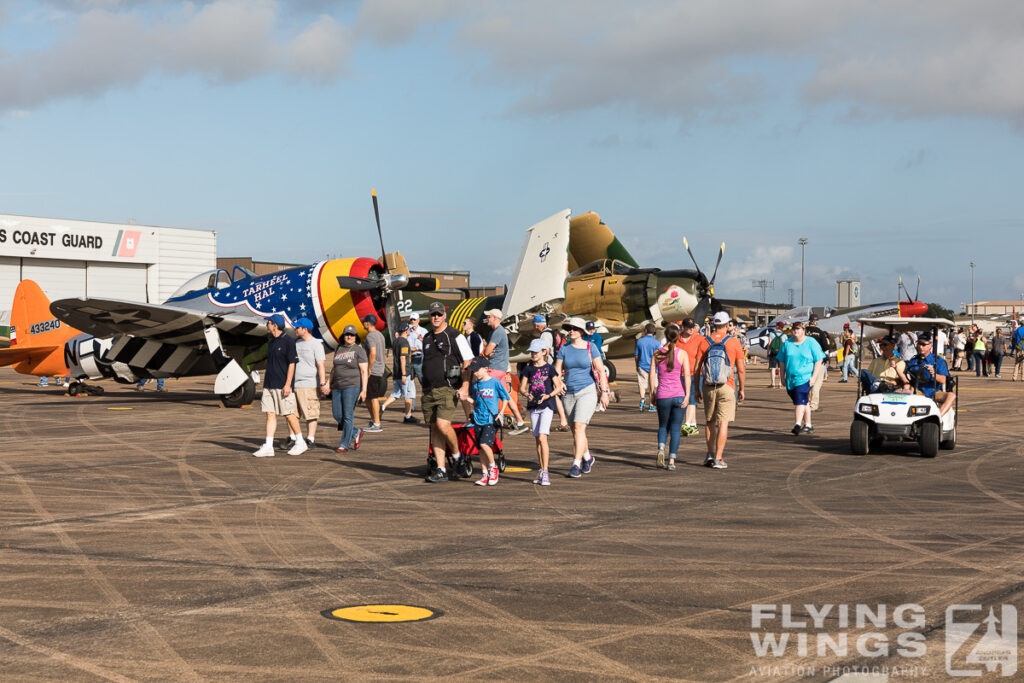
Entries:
{"x":998,"y":360}
{"x":979,"y":362}
{"x":849,"y":365}
{"x":868,"y":382}
{"x":343,"y":407}
{"x":417,"y":368}
{"x":670,"y":418}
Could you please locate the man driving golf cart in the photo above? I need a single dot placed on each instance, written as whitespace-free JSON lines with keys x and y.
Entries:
{"x":931,"y":373}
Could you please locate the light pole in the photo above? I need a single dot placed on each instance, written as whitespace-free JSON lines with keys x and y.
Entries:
{"x":972,"y":293}
{"x":803,"y":243}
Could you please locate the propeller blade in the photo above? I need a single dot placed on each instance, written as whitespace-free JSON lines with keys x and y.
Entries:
{"x":359,"y":283}
{"x":421,"y":284}
{"x":686,"y":245}
{"x":380,"y":234}
{"x":721,"y":253}
{"x":918,"y":292}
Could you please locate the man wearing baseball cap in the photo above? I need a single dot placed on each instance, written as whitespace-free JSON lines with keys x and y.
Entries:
{"x":446,"y":357}
{"x":310,"y":377}
{"x":827,"y":345}
{"x":277,"y":398}
{"x":717,"y":350}
{"x":496,"y":353}
{"x":416,"y":334}
{"x":375,"y":387}
{"x":403,"y":385}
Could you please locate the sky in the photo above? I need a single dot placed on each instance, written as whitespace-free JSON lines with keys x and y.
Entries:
{"x":890,"y":135}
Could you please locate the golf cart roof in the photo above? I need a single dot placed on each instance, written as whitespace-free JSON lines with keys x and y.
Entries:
{"x":906,"y":323}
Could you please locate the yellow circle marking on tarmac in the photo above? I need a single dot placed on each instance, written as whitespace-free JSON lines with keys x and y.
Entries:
{"x":381,"y":614}
{"x":118,"y":408}
{"x":519,"y":469}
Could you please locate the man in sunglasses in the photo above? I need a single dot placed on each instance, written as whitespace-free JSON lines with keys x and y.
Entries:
{"x":446,"y":355}
{"x":931,"y":372}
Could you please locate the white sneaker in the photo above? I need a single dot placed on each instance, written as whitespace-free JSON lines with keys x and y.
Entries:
{"x":299,"y":448}
{"x":265,"y":451}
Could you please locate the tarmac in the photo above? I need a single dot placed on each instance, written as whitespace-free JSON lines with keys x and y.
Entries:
{"x":140,"y":540}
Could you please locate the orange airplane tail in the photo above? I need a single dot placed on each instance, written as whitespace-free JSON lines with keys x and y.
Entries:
{"x":37,"y":336}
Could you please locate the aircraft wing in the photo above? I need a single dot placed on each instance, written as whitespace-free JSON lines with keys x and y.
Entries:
{"x":542,"y":268}
{"x":157,"y":322}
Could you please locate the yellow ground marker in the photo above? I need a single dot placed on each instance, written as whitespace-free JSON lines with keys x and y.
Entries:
{"x":519,"y":469}
{"x":119,"y":409}
{"x":381,"y":614}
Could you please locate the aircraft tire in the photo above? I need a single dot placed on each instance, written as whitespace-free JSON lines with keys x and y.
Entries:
{"x":242,"y":396}
{"x":612,"y":373}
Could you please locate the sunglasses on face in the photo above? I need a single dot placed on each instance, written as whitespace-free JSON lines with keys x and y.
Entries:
{"x":437,"y":315}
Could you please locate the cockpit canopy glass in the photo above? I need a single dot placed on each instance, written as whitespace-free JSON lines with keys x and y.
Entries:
{"x":211,"y":279}
{"x":603,"y":267}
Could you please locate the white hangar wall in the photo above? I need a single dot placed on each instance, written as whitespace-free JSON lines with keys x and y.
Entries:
{"x":70,"y":258}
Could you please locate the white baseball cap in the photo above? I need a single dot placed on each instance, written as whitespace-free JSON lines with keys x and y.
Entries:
{"x":721,"y":318}
{"x":538,"y":345}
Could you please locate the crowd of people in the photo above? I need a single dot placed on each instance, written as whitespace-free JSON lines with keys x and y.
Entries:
{"x":567,"y":378}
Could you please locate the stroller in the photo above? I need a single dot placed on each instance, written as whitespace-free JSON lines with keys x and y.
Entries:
{"x":469,"y":447}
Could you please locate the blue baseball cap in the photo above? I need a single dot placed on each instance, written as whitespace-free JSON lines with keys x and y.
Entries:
{"x":370,"y":318}
{"x":277,"y":319}
{"x":539,"y":319}
{"x":402,"y":327}
{"x":304,"y":322}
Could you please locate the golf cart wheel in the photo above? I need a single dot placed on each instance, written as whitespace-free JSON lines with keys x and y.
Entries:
{"x":859,"y":437}
{"x":929,"y":439}
{"x":950,"y":443}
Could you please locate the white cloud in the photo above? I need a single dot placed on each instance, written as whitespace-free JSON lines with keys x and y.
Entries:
{"x":704,"y":57}
{"x":115,"y":44}
{"x":669,"y":58}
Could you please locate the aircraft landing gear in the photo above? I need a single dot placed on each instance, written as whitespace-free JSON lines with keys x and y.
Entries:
{"x":612,"y":373}
{"x":242,"y":396}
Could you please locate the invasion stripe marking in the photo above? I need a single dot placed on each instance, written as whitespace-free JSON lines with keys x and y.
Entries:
{"x":462,"y":311}
{"x":161,"y":356}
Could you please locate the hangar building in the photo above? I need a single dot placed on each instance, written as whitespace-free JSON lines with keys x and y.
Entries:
{"x":83,"y":258}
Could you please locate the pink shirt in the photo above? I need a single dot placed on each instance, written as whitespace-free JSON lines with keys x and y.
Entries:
{"x":670,"y":382}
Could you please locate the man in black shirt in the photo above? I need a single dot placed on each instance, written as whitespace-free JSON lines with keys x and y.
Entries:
{"x":278,"y":398}
{"x":446,"y":355}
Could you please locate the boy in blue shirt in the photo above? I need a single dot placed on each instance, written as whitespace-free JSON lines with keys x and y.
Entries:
{"x":645,"y":348}
{"x":488,"y":397}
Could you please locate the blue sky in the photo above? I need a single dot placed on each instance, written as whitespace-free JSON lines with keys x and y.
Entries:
{"x":891,"y":136}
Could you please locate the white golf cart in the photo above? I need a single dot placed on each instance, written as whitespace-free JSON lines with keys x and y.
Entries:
{"x":881,"y":417}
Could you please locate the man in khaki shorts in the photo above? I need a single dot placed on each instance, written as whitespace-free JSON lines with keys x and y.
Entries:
{"x":720,"y":399}
{"x":278,"y":398}
{"x":310,"y":377}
